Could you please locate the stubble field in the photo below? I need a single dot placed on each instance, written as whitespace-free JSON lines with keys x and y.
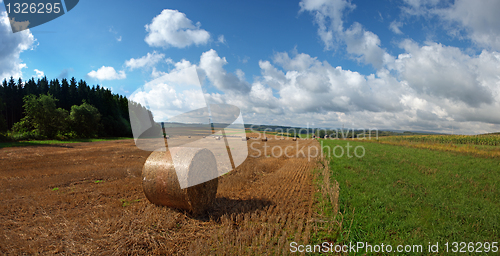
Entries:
{"x":86,"y":198}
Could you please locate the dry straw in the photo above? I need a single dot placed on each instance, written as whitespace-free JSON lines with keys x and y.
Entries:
{"x":162,"y":185}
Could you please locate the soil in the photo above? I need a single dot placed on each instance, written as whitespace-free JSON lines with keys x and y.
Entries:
{"x":87,"y":198}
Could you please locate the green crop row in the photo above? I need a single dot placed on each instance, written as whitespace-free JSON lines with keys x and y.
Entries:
{"x":490,"y":140}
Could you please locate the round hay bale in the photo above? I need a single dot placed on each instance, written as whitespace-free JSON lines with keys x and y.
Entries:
{"x":264,"y":139}
{"x":161,"y":184}
{"x":294,"y":139}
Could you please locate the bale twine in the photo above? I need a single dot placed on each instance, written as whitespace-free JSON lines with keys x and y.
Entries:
{"x":162,"y":185}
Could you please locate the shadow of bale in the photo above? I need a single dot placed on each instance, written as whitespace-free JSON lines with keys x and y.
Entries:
{"x":226,"y":206}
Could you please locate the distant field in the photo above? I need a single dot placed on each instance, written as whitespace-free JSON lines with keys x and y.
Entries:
{"x":48,"y":142}
{"x":478,"y":145}
{"x":405,"y":195}
{"x":490,"y":140}
{"x":279,"y":134}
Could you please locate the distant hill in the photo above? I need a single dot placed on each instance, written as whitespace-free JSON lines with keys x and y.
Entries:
{"x":279,"y":128}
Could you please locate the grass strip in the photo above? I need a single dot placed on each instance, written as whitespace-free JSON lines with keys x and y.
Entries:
{"x":405,"y":196}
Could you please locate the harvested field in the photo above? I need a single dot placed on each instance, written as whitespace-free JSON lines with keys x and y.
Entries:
{"x":86,"y":198}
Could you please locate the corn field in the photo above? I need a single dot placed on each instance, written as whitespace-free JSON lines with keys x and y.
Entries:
{"x":490,"y":140}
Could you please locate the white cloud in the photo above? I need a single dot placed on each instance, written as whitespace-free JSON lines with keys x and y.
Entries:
{"x":395,"y":27}
{"x":419,"y":7}
{"x":328,"y":16}
{"x":305,"y":85}
{"x":172,"y":93}
{"x":113,"y":31}
{"x":363,"y":45}
{"x":212,"y":65}
{"x":479,"y":21}
{"x":430,"y":87}
{"x":39,"y":73}
{"x":149,"y":60}
{"x":172,"y":28}
{"x":444,"y":71}
{"x":221,"y":39}
{"x":418,"y":90}
{"x":107,"y":73}
{"x":11,"y":46}
{"x":300,"y":62}
{"x":156,"y":73}
{"x":182,"y":73}
{"x":313,"y":86}
{"x":272,"y":76}
{"x":169,"y":61}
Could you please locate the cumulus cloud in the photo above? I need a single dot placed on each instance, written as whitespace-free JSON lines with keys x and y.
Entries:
{"x":309,"y":85}
{"x":107,"y":73}
{"x":172,"y":28}
{"x":395,"y":27}
{"x":299,"y":84}
{"x":272,"y":76}
{"x":445,"y":72}
{"x":39,"y":73}
{"x":221,"y":39}
{"x":479,"y":22}
{"x":328,"y":17}
{"x":363,"y":45}
{"x":11,"y":46}
{"x":172,"y":93}
{"x":430,"y":87}
{"x":419,"y":7}
{"x":149,"y":60}
{"x":212,"y":65}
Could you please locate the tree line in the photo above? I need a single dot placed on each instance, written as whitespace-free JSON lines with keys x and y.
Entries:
{"x":62,"y":109}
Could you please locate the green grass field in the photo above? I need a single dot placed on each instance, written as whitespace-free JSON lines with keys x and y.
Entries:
{"x":402,"y":195}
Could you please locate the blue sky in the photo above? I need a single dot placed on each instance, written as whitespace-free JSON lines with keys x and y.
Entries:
{"x":410,"y":65}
